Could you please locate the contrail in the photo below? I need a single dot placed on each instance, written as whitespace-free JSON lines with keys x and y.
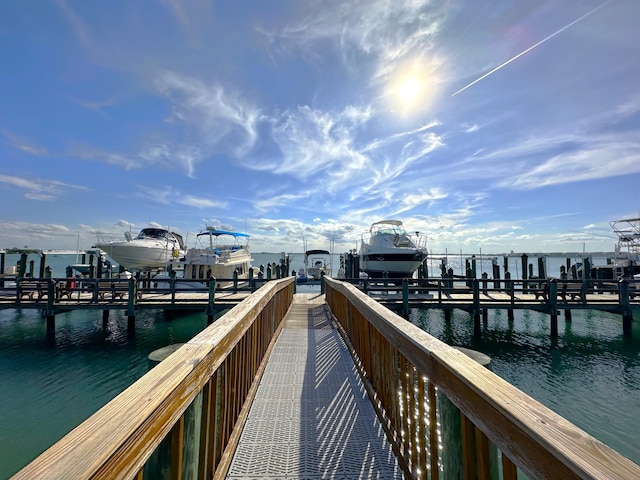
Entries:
{"x":533,"y":46}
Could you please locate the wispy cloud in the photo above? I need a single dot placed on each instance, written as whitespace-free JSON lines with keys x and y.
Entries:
{"x":24,"y":145}
{"x":168,"y":195}
{"x":312,"y":140}
{"x":214,"y":111}
{"x":600,"y":158}
{"x":39,"y":189}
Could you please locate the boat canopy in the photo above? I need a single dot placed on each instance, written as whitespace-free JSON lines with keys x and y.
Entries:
{"x":317,"y":252}
{"x":388,"y":222}
{"x":216,"y":233}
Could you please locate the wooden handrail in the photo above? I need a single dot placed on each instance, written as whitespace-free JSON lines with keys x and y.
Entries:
{"x":222,"y":365}
{"x":402,"y":365}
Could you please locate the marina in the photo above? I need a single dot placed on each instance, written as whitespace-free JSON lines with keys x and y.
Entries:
{"x":459,"y":329}
{"x":350,"y":241}
{"x":565,"y":448}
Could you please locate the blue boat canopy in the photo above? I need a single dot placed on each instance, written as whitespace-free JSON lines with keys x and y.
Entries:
{"x":215,"y":232}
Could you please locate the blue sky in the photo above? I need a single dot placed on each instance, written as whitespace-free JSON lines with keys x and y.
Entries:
{"x":491,"y":126}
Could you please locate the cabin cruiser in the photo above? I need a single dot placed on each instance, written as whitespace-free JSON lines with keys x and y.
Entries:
{"x":387,"y":250}
{"x":220,"y":254}
{"x":151,"y":249}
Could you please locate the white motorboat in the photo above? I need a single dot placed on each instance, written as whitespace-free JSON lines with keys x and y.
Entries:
{"x":151,"y":249}
{"x":224,"y":254}
{"x":317,"y":263}
{"x":387,"y":250}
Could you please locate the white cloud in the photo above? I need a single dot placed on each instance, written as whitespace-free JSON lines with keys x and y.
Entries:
{"x":39,"y":189}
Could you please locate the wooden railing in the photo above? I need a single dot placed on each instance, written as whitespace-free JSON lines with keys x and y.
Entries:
{"x":449,"y":417}
{"x":184,"y":417}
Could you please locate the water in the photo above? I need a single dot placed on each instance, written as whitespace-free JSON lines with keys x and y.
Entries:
{"x":591,"y":375}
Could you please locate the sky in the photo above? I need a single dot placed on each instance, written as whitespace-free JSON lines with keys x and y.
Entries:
{"x":490,"y":126}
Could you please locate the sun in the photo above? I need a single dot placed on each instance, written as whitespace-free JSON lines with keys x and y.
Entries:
{"x":409,"y":90}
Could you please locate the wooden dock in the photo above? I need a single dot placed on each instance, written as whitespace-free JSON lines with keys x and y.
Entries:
{"x":311,"y":416}
{"x":52,"y":296}
{"x":477,"y":297}
{"x":550,"y":296}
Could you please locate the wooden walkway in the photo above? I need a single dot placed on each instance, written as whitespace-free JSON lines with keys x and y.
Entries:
{"x":311,"y":417}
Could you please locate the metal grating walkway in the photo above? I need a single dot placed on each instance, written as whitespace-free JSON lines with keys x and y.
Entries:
{"x":311,"y":418}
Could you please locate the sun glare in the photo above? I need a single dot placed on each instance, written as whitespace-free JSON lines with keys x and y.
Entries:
{"x":412,"y":89}
{"x":409,"y":89}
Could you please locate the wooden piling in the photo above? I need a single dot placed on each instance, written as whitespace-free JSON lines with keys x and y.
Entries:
{"x":510,"y":287}
{"x":477,"y":331}
{"x":405,"y":297}
{"x":627,"y":316}
{"x":43,"y":264}
{"x":131,"y":310}
{"x":553,"y":307}
{"x":211,"y":307}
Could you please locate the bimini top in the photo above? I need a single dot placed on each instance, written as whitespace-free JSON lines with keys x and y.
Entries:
{"x":215,"y":232}
{"x":317,"y":252}
{"x":388,"y":222}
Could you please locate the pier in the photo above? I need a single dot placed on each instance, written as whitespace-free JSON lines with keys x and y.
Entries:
{"x":477,"y":297}
{"x":199,"y":413}
{"x":55,"y":295}
{"x":551,"y":296}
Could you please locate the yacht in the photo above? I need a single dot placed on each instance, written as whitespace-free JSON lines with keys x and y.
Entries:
{"x":388,"y":250}
{"x":219,"y":254}
{"x":151,"y":249}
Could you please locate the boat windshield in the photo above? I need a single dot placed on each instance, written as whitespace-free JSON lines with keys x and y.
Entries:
{"x":160,"y":234}
{"x":152,"y":233}
{"x":388,"y":229}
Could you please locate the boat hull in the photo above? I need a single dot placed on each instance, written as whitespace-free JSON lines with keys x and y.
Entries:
{"x":392,"y":265}
{"x":389,"y":251}
{"x":133,"y":256}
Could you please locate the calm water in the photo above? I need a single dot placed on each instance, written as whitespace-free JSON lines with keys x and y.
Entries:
{"x":591,"y":375}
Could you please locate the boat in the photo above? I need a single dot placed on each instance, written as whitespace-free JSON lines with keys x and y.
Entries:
{"x":150,"y":250}
{"x":221,"y":254}
{"x":301,"y":276}
{"x":317,"y":263}
{"x":387,"y":250}
{"x":84,"y":269}
{"x":627,"y":250}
